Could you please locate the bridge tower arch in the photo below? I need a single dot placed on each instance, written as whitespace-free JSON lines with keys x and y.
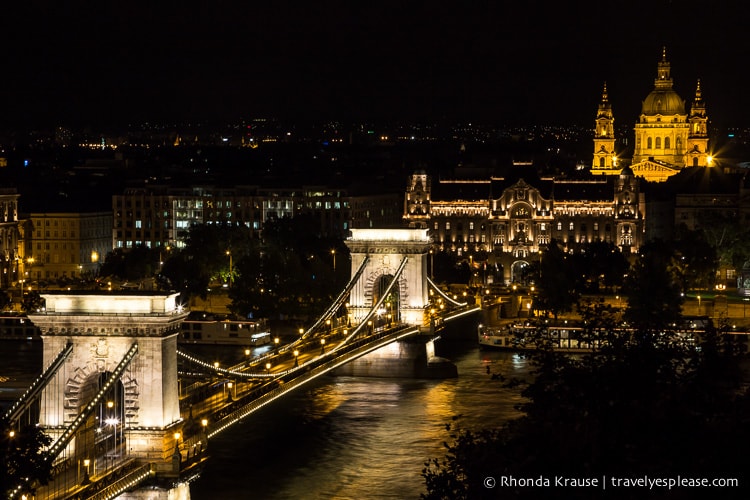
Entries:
{"x":386,"y":249}
{"x":143,"y":401}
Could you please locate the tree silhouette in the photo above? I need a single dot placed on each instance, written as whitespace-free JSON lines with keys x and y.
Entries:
{"x":557,"y":282}
{"x":651,"y":405}
{"x":25,"y":463}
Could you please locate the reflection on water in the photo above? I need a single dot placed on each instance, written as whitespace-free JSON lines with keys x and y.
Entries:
{"x":340,"y":438}
{"x":352,"y":437}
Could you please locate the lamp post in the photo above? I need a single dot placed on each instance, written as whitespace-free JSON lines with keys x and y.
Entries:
{"x":333,"y":252}
{"x":268,"y":367}
{"x":432,"y":266}
{"x":296,"y":360}
{"x":322,"y":346}
{"x":112,"y":422}
{"x":699,"y":305}
{"x":176,"y":456}
{"x":231,"y":278}
{"x":86,"y":478}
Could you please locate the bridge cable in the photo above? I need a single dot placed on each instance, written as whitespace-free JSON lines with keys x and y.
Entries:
{"x":28,"y":397}
{"x":69,"y":432}
{"x":443,"y":294}
{"x":376,"y":306}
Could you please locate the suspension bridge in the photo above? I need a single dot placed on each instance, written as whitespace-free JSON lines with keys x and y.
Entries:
{"x":109,"y":393}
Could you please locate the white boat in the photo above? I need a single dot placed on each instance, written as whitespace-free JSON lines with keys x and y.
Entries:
{"x":525,"y":338}
{"x":223,"y":331}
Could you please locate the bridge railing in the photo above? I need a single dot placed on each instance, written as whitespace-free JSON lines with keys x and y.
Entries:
{"x":125,"y":483}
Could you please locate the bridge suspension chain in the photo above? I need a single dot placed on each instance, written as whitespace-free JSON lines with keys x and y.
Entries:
{"x":69,"y":432}
{"x":443,"y":294}
{"x":376,"y":306}
{"x":26,"y":400}
{"x":340,"y":299}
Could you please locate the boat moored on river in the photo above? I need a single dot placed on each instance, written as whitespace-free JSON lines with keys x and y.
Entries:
{"x":519,"y":337}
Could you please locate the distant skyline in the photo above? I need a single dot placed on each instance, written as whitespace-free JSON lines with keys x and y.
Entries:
{"x":106,"y":64}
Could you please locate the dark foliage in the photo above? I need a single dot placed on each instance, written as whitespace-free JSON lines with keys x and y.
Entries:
{"x":25,"y":463}
{"x":648,"y":403}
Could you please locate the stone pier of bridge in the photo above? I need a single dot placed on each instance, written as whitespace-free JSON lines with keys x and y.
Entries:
{"x":143,"y":402}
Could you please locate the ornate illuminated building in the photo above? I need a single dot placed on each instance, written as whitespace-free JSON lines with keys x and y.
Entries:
{"x":8,"y":235}
{"x":667,"y":138}
{"x":513,"y":220}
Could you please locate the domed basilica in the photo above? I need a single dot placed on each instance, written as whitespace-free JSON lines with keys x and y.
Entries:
{"x":513,"y":213}
{"x":667,"y":138}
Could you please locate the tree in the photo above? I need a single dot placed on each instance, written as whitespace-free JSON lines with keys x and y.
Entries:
{"x":290,"y":272}
{"x":696,"y":260}
{"x":25,"y":463}
{"x":655,"y":405}
{"x":208,"y":256}
{"x":131,"y":264}
{"x":655,"y":408}
{"x":599,"y":264}
{"x":5,"y":300}
{"x":32,"y":301}
{"x":557,"y":281}
{"x":653,"y":288}
{"x":727,"y":235}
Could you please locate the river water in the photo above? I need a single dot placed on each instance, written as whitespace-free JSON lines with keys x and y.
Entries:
{"x":340,"y":437}
{"x":355,"y":438}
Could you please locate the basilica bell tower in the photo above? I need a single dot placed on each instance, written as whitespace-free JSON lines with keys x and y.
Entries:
{"x":604,"y":136}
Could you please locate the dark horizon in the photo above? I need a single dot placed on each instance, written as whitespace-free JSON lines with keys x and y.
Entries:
{"x":519,"y":64}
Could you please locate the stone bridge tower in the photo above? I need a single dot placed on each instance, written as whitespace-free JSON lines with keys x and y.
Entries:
{"x":143,"y":403}
{"x":386,"y":249}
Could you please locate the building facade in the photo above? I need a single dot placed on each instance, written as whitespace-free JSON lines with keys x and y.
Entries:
{"x":513,"y":220}
{"x":9,"y":237}
{"x":66,"y":245}
{"x":160,"y":216}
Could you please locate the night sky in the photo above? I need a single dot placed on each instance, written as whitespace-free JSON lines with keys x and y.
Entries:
{"x":533,"y":61}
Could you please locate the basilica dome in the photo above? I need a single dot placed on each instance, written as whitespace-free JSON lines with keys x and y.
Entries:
{"x":663,"y":102}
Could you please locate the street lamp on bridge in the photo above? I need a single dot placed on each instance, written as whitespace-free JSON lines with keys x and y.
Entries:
{"x":296,"y":360}
{"x":177,"y":456}
{"x":86,"y":478}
